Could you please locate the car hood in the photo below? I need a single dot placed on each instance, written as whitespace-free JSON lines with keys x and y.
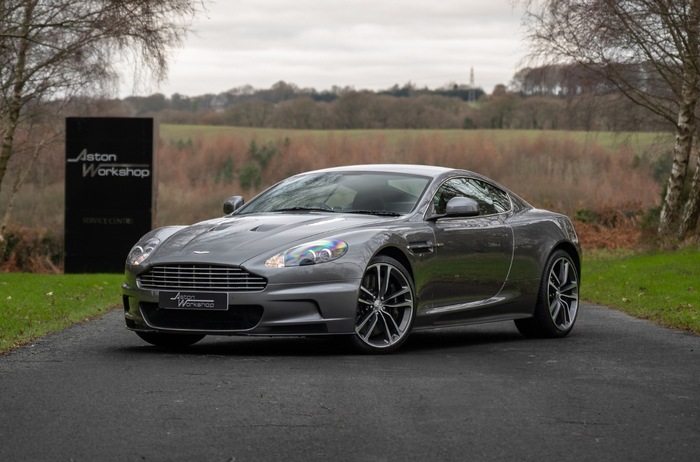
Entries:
{"x":233,"y":240}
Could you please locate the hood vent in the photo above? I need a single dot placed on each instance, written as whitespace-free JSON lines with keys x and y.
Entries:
{"x":265,"y":228}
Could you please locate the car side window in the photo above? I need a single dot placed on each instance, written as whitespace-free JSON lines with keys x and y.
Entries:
{"x":491,"y":199}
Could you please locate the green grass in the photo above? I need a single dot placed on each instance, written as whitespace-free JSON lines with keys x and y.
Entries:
{"x":661,"y":287}
{"x":33,"y":305}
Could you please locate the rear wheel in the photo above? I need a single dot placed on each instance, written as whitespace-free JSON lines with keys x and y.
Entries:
{"x":557,"y":302}
{"x":170,"y":340}
{"x":385,"y":307}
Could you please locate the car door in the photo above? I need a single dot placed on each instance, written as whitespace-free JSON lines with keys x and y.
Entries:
{"x":474,"y":253}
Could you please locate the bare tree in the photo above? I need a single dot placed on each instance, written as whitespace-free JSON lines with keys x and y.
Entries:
{"x":54,"y":50}
{"x":648,"y":50}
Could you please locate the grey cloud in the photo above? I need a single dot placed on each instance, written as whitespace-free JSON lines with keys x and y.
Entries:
{"x":362,"y":43}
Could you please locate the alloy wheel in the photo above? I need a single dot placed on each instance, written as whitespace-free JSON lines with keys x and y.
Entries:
{"x":562,"y":293}
{"x":385,"y":307}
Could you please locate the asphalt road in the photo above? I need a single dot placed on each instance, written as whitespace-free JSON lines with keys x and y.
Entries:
{"x":616,"y":389}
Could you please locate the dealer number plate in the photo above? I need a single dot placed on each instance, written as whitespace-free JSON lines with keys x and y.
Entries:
{"x":193,"y":301}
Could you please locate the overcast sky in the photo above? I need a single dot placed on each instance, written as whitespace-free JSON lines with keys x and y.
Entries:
{"x":365,"y":44}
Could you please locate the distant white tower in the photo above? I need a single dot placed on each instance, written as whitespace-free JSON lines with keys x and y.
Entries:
{"x":472,"y":93}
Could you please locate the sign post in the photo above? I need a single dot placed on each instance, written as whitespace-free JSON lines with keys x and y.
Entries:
{"x":109,"y":190}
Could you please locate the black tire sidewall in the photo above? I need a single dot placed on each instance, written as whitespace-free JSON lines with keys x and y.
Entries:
{"x":357,"y":342}
{"x":542,"y":316}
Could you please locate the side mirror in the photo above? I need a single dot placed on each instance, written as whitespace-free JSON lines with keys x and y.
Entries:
{"x":232,"y":204}
{"x":462,"y":207}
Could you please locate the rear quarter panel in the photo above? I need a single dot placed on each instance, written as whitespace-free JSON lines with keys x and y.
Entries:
{"x":538,"y":233}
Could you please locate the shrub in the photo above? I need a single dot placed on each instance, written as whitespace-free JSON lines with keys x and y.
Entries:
{"x":32,"y":251}
{"x":250,"y":176}
{"x":262,"y":154}
{"x":225,"y":172}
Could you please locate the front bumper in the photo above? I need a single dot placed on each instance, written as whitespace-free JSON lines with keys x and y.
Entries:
{"x":280,"y":309}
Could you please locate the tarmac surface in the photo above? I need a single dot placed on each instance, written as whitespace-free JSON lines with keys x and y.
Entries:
{"x":617,"y":388}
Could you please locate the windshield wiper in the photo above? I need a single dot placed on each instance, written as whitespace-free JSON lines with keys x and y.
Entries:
{"x":304,"y":209}
{"x":384,"y":213}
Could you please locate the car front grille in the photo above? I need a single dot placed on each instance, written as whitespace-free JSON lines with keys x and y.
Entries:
{"x":201,"y":277}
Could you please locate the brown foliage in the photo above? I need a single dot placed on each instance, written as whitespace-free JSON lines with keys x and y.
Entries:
{"x":32,"y":251}
{"x":195,"y":176}
{"x":556,"y":173}
{"x":610,"y":229}
{"x":597,"y":236}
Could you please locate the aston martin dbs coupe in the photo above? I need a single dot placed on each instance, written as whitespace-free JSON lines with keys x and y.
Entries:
{"x":368,"y":252}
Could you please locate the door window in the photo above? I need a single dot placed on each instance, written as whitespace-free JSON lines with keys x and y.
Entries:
{"x":491,"y":200}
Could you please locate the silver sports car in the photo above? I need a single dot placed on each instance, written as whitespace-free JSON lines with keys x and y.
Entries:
{"x":369,"y":252}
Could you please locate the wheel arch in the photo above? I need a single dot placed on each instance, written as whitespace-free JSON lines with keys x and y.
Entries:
{"x":573,"y":251}
{"x":390,"y":300}
{"x":398,"y":255}
{"x":544,"y":324}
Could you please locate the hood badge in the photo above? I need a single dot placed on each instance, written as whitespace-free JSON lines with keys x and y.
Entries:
{"x":201,"y":252}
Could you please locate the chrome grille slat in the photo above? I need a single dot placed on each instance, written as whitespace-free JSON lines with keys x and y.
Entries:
{"x":201,"y":277}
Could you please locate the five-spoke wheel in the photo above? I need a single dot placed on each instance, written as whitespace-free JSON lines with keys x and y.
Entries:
{"x":385,"y":307}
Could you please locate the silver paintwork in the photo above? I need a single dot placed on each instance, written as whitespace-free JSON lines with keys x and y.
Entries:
{"x":464,"y":269}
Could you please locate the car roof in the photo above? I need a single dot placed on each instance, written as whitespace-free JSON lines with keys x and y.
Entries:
{"x":426,"y":170}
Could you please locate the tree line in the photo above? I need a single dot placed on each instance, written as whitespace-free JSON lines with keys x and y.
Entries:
{"x":536,"y":99}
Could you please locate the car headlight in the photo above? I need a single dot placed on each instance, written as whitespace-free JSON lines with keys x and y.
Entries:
{"x":142,"y":251}
{"x":308,"y":254}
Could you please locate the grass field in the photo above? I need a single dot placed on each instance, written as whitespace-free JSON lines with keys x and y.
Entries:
{"x":640,"y":142}
{"x":663,"y":287}
{"x":198,"y":167}
{"x":33,"y":305}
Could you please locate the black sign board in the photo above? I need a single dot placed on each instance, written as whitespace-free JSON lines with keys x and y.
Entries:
{"x":109,"y":190}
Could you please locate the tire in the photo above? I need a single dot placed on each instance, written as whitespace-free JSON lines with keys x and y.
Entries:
{"x":385,"y":307}
{"x":557,"y":302}
{"x":170,"y":340}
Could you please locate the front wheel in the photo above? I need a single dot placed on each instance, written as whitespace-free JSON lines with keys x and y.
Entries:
{"x":170,"y":340}
{"x":557,"y":302}
{"x":385,"y":307}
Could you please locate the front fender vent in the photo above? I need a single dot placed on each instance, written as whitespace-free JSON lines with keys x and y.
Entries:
{"x":201,"y":278}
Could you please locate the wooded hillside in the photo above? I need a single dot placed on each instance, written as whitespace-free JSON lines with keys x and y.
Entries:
{"x":544,"y":98}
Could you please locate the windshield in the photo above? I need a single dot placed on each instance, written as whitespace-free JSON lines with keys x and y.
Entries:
{"x":347,"y":192}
